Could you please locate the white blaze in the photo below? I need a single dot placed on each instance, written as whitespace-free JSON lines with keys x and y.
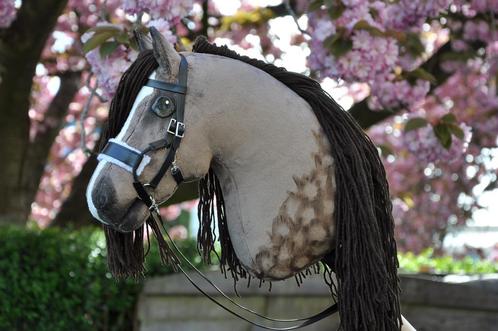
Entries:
{"x":144,"y":92}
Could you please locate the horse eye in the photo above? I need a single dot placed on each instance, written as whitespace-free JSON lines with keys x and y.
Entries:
{"x":163,"y":106}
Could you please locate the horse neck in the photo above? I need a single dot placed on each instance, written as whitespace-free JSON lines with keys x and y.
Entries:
{"x":266,"y":145}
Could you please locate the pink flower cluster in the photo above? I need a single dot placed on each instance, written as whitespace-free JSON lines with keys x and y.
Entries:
{"x":471,"y":7}
{"x":170,"y":10}
{"x":425,"y":195}
{"x":425,"y":146}
{"x":427,"y":181}
{"x":373,"y":58}
{"x":164,"y":27}
{"x":477,"y":30}
{"x":411,"y":14}
{"x":398,"y":93}
{"x":109,"y":70}
{"x":7,"y":13}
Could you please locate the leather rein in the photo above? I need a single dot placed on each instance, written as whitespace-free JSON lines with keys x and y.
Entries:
{"x":130,"y":158}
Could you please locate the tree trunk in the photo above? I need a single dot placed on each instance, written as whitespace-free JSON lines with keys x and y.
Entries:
{"x":20,"y":50}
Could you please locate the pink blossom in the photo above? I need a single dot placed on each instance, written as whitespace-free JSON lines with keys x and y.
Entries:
{"x":426,"y":147}
{"x":371,"y":58}
{"x":171,"y":10}
{"x":398,"y":94}
{"x":178,"y":232}
{"x":408,"y":14}
{"x":164,"y":27}
{"x":109,"y":70}
{"x":477,"y":30}
{"x":171,"y":213}
{"x":7,"y":13}
{"x":323,"y":29}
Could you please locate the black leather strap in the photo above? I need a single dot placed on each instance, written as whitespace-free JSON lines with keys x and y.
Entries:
{"x":177,"y":175}
{"x":178,"y":116}
{"x":122,"y":154}
{"x":142,"y":194}
{"x":160,"y":85}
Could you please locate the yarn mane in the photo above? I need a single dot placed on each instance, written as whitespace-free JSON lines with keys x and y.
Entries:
{"x":365,"y":255}
{"x":365,"y":260}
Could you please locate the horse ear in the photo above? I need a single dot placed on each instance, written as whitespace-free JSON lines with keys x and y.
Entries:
{"x":164,"y":52}
{"x":143,"y":41}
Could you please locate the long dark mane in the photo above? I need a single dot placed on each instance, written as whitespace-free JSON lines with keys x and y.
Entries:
{"x":365,"y":252}
{"x":125,"y":251}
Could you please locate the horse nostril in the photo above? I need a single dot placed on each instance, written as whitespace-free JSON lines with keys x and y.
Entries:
{"x":105,"y":200}
{"x":101,"y":201}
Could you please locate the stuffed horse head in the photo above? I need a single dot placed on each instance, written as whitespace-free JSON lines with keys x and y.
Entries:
{"x":289,"y":176}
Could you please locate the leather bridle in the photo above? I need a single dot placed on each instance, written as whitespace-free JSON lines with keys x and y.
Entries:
{"x":130,"y":158}
{"x":175,"y":133}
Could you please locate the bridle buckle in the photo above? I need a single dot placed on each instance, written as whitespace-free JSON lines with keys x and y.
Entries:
{"x":154,"y":206}
{"x":176,"y":128}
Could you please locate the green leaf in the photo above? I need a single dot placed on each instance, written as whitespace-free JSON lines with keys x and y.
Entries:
{"x":448,"y":118}
{"x":315,"y":5}
{"x":331,"y":40}
{"x":385,"y":150}
{"x":107,"y":48}
{"x":456,"y":131}
{"x":363,"y":25}
{"x":413,"y":44}
{"x":415,"y":123}
{"x":97,"y":39}
{"x":335,"y":8}
{"x":123,"y":38}
{"x":104,"y":28}
{"x":338,"y":45}
{"x":443,"y":134}
{"x":341,"y":47}
{"x":421,"y":73}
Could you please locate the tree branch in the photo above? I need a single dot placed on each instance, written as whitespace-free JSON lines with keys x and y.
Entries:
{"x":38,"y":151}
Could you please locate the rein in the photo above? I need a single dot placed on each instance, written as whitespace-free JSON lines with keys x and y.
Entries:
{"x":129,"y":158}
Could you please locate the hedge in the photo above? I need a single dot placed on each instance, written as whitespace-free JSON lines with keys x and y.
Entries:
{"x":57,"y":279}
{"x":428,"y":262}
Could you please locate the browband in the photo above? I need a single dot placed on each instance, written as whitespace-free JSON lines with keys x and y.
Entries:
{"x":160,"y":85}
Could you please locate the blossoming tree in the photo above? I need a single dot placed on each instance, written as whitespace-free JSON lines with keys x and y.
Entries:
{"x":422,"y":75}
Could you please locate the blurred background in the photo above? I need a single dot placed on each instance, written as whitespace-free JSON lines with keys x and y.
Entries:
{"x":419,"y":76}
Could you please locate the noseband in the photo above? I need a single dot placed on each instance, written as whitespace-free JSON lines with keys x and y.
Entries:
{"x":129,"y":158}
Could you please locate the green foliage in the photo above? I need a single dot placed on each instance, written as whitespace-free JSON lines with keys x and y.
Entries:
{"x":58,"y":280}
{"x":100,"y":37}
{"x":338,"y":44}
{"x":426,"y":262}
{"x":415,"y":123}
